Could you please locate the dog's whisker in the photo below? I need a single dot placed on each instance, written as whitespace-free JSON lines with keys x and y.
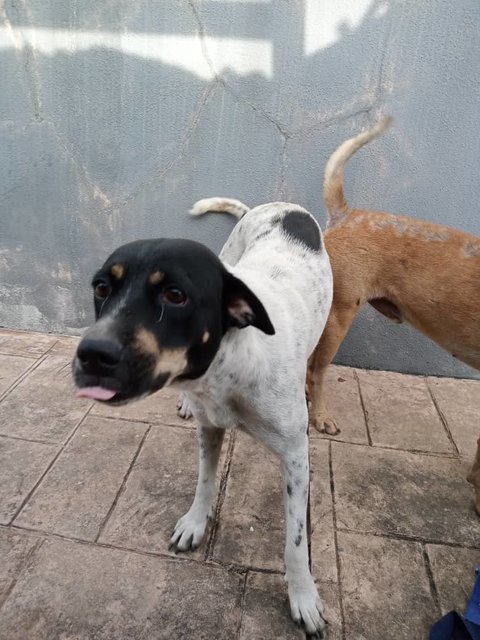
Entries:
{"x":102,"y":305}
{"x":161,"y":314}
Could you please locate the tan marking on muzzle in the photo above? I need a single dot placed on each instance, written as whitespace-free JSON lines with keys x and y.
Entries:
{"x":171,"y":361}
{"x":118,"y":271}
{"x":146,"y":342}
{"x":205,"y":337}
{"x":156,"y":277}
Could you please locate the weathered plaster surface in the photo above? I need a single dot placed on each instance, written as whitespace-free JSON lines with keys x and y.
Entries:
{"x":116,"y":116}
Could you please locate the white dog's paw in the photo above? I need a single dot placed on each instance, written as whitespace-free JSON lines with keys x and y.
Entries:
{"x":188,"y":532}
{"x":183,"y":408}
{"x":307,"y":607}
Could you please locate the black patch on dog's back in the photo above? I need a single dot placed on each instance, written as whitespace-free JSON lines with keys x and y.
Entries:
{"x":301,"y":227}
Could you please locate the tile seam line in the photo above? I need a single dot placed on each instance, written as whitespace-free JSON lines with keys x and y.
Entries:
{"x":410,"y":538}
{"x":364,"y":408}
{"x":431,"y":580}
{"x":49,"y":466}
{"x":9,"y":437}
{"x":190,"y":426}
{"x":238,"y":633}
{"x":308,"y":523}
{"x":442,"y":417}
{"x":210,"y":546}
{"x":28,"y":560}
{"x":35,"y":365}
{"x":382,"y":447}
{"x":22,"y":355}
{"x":335,"y":539}
{"x":24,"y":375}
{"x":228,"y":566}
{"x":123,"y":485}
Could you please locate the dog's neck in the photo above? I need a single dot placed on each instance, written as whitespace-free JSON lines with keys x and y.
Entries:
{"x":239,"y":359}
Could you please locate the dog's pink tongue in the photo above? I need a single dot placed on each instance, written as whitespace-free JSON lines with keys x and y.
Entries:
{"x":97,"y":393}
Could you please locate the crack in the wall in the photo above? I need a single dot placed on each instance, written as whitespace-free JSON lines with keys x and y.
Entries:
{"x":195,"y":121}
{"x":338,"y":117}
{"x":203,"y":35}
{"x":158,"y":175}
{"x":282,"y":179}
{"x":70,"y":153}
{"x":33,"y":85}
{"x":261,"y":112}
{"x":325,"y":121}
{"x":380,"y":87}
{"x":27,"y":52}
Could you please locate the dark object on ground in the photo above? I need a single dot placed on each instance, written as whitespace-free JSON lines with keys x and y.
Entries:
{"x":453,"y":627}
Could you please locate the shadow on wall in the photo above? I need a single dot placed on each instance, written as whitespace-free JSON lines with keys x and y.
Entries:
{"x":115,"y":118}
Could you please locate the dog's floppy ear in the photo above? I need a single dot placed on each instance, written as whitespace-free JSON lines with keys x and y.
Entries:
{"x":242,"y":307}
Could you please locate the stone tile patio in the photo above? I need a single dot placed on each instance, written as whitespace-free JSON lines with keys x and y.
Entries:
{"x":89,"y":495}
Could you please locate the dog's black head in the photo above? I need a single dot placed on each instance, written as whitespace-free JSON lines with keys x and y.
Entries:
{"x":162,"y":307}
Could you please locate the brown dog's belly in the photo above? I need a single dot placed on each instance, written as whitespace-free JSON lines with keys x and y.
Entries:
{"x":409,"y":270}
{"x":467,"y":353}
{"x":451,"y":326}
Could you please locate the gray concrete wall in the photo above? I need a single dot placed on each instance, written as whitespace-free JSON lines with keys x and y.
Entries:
{"x":116,"y":115}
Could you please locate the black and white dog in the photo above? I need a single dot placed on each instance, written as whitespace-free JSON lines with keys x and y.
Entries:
{"x":234,"y":335}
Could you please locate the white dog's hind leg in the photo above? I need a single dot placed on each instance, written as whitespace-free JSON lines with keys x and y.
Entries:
{"x":190,"y":529}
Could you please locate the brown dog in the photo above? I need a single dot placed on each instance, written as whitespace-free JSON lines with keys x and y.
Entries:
{"x":409,"y":270}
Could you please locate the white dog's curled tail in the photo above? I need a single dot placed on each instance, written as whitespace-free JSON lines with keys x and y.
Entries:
{"x":219,"y":205}
{"x":337,"y":206}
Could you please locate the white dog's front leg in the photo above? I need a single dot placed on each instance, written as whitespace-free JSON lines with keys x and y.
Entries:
{"x":190,"y":529}
{"x":305,"y":603}
{"x":183,"y":407}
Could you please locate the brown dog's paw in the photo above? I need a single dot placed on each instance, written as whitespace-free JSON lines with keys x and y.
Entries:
{"x":325,"y":424}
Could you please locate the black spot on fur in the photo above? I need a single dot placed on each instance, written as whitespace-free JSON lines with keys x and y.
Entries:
{"x":289,"y":490}
{"x":302,"y":228}
{"x":298,"y":540}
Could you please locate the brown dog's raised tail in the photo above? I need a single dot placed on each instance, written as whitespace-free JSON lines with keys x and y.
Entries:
{"x":337,"y":206}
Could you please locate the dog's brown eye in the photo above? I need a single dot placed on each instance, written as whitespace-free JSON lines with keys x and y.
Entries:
{"x":102,"y":290}
{"x":174,"y":296}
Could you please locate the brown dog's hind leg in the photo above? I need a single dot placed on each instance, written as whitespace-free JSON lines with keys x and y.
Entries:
{"x":335,"y":330}
{"x":474,"y":477}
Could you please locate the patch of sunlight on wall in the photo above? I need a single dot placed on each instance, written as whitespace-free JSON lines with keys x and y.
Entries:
{"x":324,"y":21}
{"x":243,"y":57}
{"x":244,"y":1}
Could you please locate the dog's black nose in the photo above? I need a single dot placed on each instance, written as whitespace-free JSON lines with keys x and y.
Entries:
{"x":99,"y":357}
